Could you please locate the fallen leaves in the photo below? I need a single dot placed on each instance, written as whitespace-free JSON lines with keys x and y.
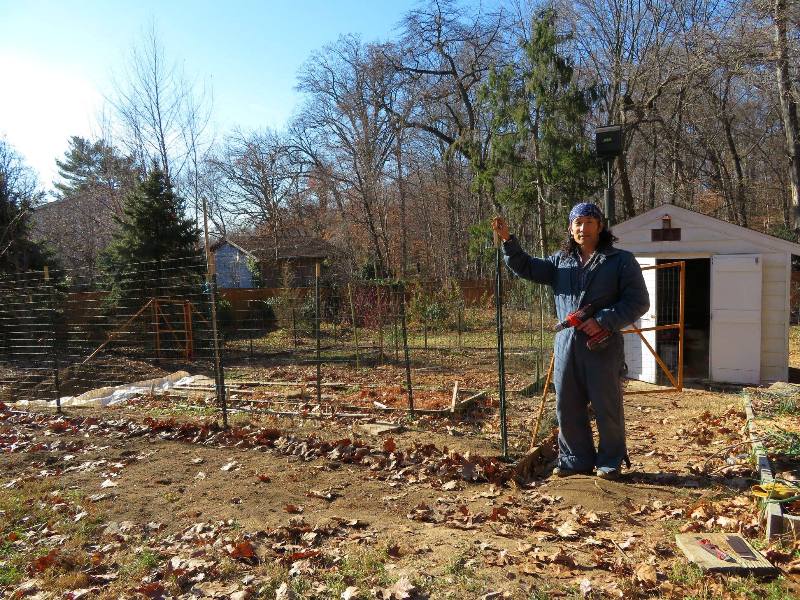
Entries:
{"x":44,"y":562}
{"x":244,"y":551}
{"x":567,"y":530}
{"x":646,"y":575}
{"x":402,"y":589}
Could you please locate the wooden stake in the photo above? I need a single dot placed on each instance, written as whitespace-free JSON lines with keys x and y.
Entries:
{"x":455,"y":397}
{"x":157,"y":330}
{"x":187,"y":328}
{"x":544,"y":397}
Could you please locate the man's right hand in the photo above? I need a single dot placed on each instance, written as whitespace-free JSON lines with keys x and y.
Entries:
{"x":500,"y":227}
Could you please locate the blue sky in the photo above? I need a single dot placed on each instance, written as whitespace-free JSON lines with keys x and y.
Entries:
{"x":58,"y":58}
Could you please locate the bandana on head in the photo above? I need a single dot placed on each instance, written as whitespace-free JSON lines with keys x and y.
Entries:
{"x":585,"y":209}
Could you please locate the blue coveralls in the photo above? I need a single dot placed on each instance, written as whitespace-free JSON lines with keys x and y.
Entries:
{"x":612,"y":279}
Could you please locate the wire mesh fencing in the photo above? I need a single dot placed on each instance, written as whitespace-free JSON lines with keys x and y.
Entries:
{"x":63,"y":333}
{"x":69,"y":332}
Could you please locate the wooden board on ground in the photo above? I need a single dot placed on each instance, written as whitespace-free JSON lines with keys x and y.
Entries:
{"x":743,"y":558}
{"x":378,"y":428}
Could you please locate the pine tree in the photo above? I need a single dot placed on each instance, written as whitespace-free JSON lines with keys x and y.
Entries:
{"x":93,"y":168}
{"x":540,"y":156}
{"x":155,"y":251}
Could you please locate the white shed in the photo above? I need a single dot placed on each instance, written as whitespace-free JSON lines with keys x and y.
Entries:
{"x":736,"y":297}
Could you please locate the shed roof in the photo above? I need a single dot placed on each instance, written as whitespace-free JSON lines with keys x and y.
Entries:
{"x":647,"y":219}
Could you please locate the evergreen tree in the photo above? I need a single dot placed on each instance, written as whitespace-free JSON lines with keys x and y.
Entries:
{"x":540,"y":157}
{"x":95,"y":169}
{"x":155,"y":251}
{"x":19,"y":194}
{"x":93,"y":182}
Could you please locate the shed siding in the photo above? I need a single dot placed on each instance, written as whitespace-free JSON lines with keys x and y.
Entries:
{"x":774,"y":345}
{"x":703,"y":237}
{"x":229,"y":273}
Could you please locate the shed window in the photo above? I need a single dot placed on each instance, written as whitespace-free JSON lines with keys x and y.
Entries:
{"x":672,"y":234}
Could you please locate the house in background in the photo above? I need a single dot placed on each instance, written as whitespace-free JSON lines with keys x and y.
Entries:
{"x":737,"y":297}
{"x":233,"y":264}
{"x":288,"y":260}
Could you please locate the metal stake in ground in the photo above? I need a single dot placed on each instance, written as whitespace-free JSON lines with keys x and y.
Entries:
{"x":56,"y":381}
{"x":501,"y":354}
{"x":218,"y":368}
{"x":316,"y":331}
{"x":211,"y":279}
{"x":405,"y":346}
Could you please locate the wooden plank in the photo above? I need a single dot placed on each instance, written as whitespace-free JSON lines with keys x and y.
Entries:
{"x":468,"y":403}
{"x":689,"y":543}
{"x":455,"y":397}
{"x":773,"y":511}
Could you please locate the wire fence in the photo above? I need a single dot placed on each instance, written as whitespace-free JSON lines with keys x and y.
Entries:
{"x":63,"y":333}
{"x":66,"y":333}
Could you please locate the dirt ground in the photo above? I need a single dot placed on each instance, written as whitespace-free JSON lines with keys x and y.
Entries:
{"x":153,"y":499}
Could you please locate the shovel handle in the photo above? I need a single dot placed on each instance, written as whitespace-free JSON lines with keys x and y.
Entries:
{"x":544,"y":397}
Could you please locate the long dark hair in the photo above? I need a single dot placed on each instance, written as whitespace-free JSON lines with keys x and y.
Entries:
{"x":607,"y":239}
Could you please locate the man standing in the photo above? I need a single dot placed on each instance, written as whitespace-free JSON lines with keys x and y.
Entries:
{"x":587,"y":270}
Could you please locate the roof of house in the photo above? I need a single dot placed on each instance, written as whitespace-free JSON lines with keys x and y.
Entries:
{"x":291,"y":245}
{"x":730,"y":229}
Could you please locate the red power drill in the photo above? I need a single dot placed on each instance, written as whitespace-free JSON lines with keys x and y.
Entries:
{"x":596,"y":342}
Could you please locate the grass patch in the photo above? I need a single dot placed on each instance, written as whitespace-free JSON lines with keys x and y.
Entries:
{"x":686,"y":574}
{"x":363,"y":570}
{"x":758,"y":589}
{"x":784,"y":444}
{"x":10,"y":574}
{"x":139,"y":563}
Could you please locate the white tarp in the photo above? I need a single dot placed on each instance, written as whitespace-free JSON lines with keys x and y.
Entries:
{"x":107,"y":396}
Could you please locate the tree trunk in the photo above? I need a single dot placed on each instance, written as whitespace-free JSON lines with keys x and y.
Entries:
{"x":628,"y":209}
{"x":788,"y":108}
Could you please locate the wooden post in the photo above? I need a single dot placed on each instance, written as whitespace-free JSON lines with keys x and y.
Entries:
{"x":157,"y":331}
{"x":355,"y":325}
{"x":501,"y":368}
{"x":396,"y":333}
{"x":56,"y":380}
{"x":460,"y":323}
{"x":187,"y":326}
{"x":294,"y":326}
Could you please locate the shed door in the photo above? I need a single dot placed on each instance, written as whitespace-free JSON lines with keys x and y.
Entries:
{"x":735,"y":318}
{"x":641,"y":362}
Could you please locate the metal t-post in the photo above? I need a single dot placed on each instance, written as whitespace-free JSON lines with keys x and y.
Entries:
{"x":316,"y":331}
{"x":219,"y":372}
{"x":405,"y":347}
{"x":51,"y":301}
{"x":211,"y":278}
{"x":501,"y":363}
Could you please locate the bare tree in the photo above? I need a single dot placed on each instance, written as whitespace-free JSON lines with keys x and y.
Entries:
{"x":258,"y":178}
{"x":351,"y":133}
{"x":161,"y":112}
